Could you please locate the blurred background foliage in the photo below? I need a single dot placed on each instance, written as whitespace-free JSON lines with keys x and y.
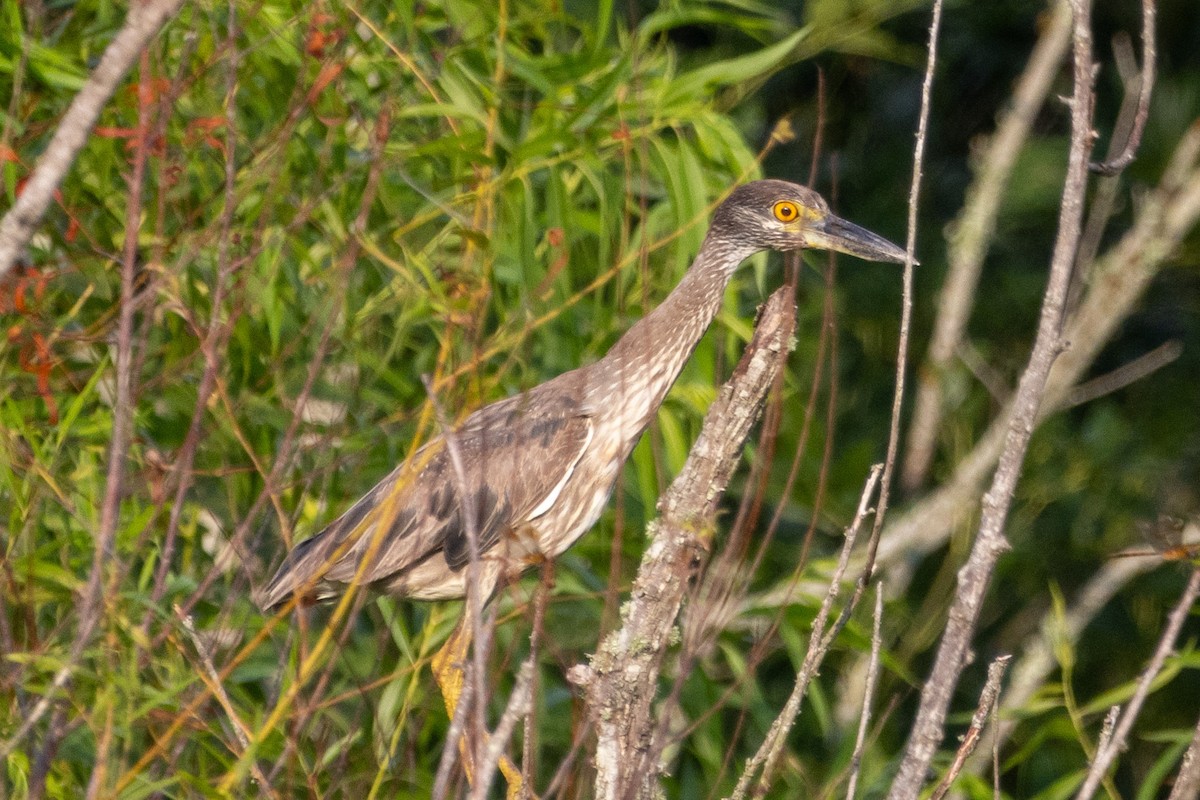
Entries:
{"x":490,"y":194}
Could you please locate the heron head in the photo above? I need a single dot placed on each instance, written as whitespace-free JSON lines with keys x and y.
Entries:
{"x":778,"y":215}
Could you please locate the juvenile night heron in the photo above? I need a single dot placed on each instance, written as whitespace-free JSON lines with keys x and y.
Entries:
{"x":539,"y":467}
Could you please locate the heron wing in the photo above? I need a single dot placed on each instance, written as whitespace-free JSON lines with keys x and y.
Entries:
{"x":516,"y":455}
{"x":514,"y":472}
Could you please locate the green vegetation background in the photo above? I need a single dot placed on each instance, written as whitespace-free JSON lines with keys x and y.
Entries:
{"x":410,"y":199}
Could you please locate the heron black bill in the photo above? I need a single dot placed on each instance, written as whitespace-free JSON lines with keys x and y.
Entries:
{"x":838,"y":234}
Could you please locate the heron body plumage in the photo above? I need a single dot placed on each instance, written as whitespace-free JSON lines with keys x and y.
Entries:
{"x":540,"y":467}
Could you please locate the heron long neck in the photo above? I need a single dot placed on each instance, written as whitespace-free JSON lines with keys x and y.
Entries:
{"x":638,"y":371}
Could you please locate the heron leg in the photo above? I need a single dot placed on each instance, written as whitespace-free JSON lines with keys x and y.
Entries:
{"x":448,"y":665}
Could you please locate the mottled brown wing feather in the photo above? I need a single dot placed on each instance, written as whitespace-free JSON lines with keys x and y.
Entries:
{"x":516,"y":455}
{"x":511,"y":469}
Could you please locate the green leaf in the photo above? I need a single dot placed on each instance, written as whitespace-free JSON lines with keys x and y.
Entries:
{"x":734,"y":71}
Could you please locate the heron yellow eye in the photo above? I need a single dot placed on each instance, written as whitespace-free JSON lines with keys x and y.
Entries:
{"x":785,"y":211}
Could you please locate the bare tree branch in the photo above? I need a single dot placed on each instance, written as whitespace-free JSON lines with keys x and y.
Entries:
{"x":971,"y":237}
{"x":1106,"y":189}
{"x":762,"y":764}
{"x":1114,"y":165}
{"x":864,"y":720}
{"x":1107,"y":752}
{"x":213,"y":342}
{"x":622,"y":679}
{"x":143,"y":22}
{"x":1187,"y":782}
{"x":1126,"y":374}
{"x":889,"y":464}
{"x":1121,"y":276}
{"x":970,"y":740}
{"x":518,"y":706}
{"x":975,"y":576}
{"x":213,"y":681}
{"x":537,"y":630}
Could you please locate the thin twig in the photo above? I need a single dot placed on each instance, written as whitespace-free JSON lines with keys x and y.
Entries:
{"x":213,"y":680}
{"x":1103,"y":202}
{"x":528,"y":744}
{"x":889,"y":464}
{"x":864,"y":719}
{"x":762,"y":764}
{"x":457,"y":729}
{"x":992,"y":379}
{"x":1187,"y":782}
{"x":559,"y":781}
{"x":1124,"y":375}
{"x":518,"y":706}
{"x":996,"y":793}
{"x":971,"y":236}
{"x":1106,"y":730}
{"x":970,"y":740}
{"x":1106,"y":753}
{"x":99,"y":777}
{"x":975,"y":576}
{"x":218,"y":330}
{"x":142,"y":24}
{"x":1114,"y":165}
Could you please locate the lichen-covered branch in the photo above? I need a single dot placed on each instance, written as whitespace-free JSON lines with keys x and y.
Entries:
{"x":622,"y":679}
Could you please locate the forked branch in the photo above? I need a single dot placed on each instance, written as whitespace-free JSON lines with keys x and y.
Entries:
{"x":975,"y":576}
